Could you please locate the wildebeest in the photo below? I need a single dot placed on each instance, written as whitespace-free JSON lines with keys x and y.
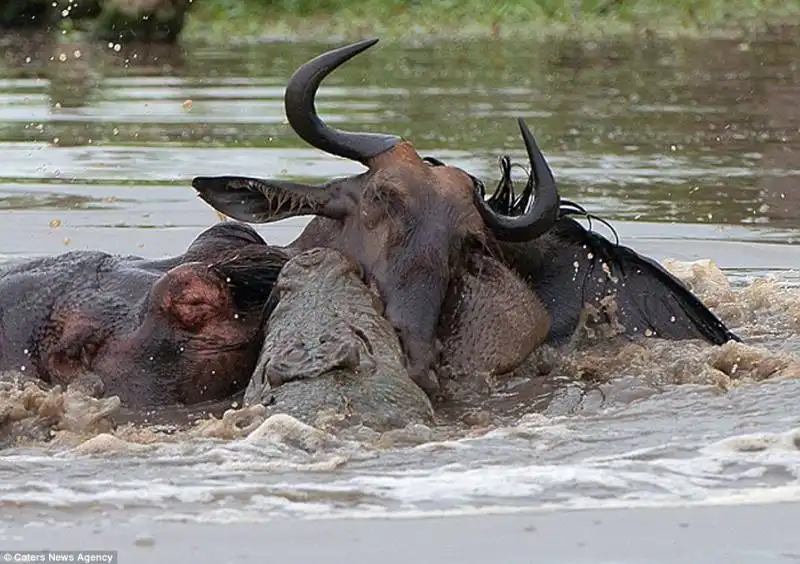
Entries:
{"x":185,"y":329}
{"x":419,"y":228}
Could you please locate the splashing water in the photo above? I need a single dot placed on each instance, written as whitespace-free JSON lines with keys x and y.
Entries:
{"x":648,"y":424}
{"x":684,"y":147}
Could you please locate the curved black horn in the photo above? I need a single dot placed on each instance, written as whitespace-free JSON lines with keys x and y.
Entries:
{"x":299,"y":105}
{"x":542,"y":214}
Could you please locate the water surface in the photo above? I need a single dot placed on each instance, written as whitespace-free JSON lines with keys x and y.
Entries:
{"x":690,"y":148}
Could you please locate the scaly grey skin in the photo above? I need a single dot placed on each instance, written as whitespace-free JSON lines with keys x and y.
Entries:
{"x":181,"y":330}
{"x":328,"y":348}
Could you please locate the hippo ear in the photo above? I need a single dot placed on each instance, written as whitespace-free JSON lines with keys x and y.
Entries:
{"x":191,"y":296}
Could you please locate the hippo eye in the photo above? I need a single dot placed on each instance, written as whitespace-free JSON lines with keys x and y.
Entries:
{"x":89,"y":352}
{"x":79,"y":354}
{"x":72,"y":351}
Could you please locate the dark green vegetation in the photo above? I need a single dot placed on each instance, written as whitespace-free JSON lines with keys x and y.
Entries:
{"x":109,"y":20}
{"x":224,"y":20}
{"x":216,"y":19}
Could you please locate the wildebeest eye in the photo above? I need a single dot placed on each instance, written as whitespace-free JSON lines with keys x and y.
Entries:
{"x":380,"y":202}
{"x":372,"y":211}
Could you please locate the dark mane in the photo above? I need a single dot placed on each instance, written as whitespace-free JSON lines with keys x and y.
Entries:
{"x":650,"y":297}
{"x":509,"y":203}
{"x":642,"y":298}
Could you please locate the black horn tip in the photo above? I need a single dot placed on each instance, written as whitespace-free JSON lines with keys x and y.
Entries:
{"x":302,"y":115}
{"x":365,"y":43}
{"x":542,"y":215}
{"x":526,"y":133}
{"x":340,"y":55}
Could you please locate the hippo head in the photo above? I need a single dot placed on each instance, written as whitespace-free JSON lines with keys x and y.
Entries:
{"x":181,"y":330}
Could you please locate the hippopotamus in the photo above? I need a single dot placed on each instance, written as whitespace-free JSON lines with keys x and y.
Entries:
{"x":328,"y":350}
{"x":477,"y":280}
{"x":178,"y":330}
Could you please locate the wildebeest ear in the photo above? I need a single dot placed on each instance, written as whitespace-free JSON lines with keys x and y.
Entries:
{"x":191,"y":296}
{"x":257,"y":200}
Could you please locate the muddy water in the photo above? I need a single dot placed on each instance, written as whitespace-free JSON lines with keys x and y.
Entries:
{"x":690,"y":148}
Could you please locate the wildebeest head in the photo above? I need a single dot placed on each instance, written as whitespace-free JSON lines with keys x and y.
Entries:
{"x":407,"y":220}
